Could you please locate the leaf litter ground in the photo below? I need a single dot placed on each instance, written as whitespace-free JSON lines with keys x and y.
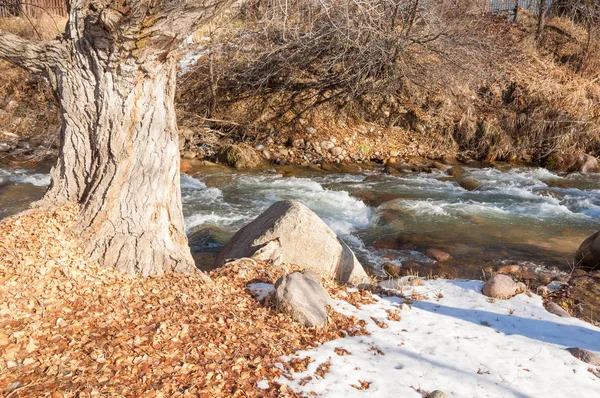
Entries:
{"x":69,"y":327}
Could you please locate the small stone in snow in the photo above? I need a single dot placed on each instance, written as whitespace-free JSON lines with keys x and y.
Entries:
{"x":437,"y":394}
{"x":502,"y":287}
{"x":404,"y":307}
{"x":556,"y":309}
{"x":585,"y":356}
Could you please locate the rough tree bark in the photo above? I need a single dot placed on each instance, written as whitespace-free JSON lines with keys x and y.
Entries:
{"x":541,"y":20}
{"x":113,"y":73}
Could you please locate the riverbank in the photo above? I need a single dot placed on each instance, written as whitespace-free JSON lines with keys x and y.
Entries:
{"x":511,"y":99}
{"x":70,"y":327}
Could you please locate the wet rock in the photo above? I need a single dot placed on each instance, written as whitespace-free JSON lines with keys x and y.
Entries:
{"x":556,"y":309}
{"x":588,"y":254}
{"x":502,"y":287}
{"x":561,"y":183}
{"x":439,"y":166}
{"x":305,"y":241}
{"x":550,"y":194}
{"x":456,"y":171}
{"x":303,"y":298}
{"x":437,"y":394}
{"x":585,"y":356}
{"x":207,"y":238}
{"x":184,"y":166}
{"x":239,"y":156}
{"x":571,"y":162}
{"x":391,"y":269}
{"x":438,"y":255}
{"x":469,"y":184}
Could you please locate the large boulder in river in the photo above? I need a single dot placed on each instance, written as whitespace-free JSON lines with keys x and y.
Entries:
{"x":588,"y":254}
{"x":502,"y":287}
{"x":303,"y":298}
{"x":291,"y":233}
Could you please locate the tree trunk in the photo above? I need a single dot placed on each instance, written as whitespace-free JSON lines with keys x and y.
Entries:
{"x":120,"y":159}
{"x":113,"y":74}
{"x":541,"y":22}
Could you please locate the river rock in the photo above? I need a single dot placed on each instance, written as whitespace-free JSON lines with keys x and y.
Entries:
{"x":502,"y":287}
{"x":305,"y":241}
{"x":588,"y":254}
{"x":585,"y":356}
{"x":239,"y":156}
{"x":391,"y":269}
{"x":336,"y":151}
{"x":438,"y":255}
{"x":303,"y":298}
{"x":327,"y":145}
{"x":469,"y":184}
{"x":556,"y":309}
{"x":439,"y":166}
{"x":456,"y":171}
{"x":571,"y":162}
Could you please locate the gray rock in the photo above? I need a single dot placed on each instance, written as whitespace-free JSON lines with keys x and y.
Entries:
{"x":310,"y":130}
{"x":283,"y":152}
{"x":556,"y":309}
{"x":304,"y":240}
{"x":556,"y":286}
{"x":327,"y":145}
{"x":585,"y":356}
{"x":502,"y":287}
{"x":437,"y":394}
{"x":303,"y":298}
{"x":336,"y":151}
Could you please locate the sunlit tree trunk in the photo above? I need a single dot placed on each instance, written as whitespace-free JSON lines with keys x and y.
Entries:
{"x":113,"y":73}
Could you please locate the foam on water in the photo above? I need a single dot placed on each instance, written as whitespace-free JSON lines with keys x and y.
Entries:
{"x":21,"y":176}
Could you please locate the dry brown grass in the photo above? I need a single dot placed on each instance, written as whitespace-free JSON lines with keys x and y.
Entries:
{"x":494,"y":94}
{"x":46,"y":27}
{"x":29,"y":117}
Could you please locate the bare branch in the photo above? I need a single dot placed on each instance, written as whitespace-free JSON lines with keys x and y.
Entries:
{"x":32,"y":56}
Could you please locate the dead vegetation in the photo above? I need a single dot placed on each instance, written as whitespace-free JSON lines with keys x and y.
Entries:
{"x":426,"y":78}
{"x":444,"y":72}
{"x":29,"y":117}
{"x":70,"y":327}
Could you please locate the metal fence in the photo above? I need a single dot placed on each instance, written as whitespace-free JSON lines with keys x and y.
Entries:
{"x":32,"y":8}
{"x":509,"y":5}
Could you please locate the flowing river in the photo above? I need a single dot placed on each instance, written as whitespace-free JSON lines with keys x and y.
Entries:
{"x":521,"y":215}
